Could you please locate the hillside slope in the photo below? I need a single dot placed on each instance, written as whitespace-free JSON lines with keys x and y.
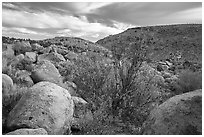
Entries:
{"x":163,"y":42}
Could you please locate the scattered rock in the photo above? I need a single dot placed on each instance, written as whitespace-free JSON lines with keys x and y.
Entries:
{"x":7,"y":84}
{"x":45,"y":105}
{"x":25,"y":131}
{"x":179,"y":115}
{"x":30,"y":56}
{"x":46,"y":71}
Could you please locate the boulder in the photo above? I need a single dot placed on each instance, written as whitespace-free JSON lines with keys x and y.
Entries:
{"x":62,"y":50}
{"x":30,"y":56}
{"x":69,"y":88}
{"x":71,"y":55}
{"x":46,"y":50}
{"x":45,"y":105}
{"x":179,"y":115}
{"x":46,"y":71}
{"x":24,"y":78}
{"x":7,"y":84}
{"x":53,"y":57}
{"x":25,"y":131}
{"x":20,"y":57}
{"x":71,"y":84}
{"x":82,"y":115}
{"x":36,"y":47}
{"x":22,"y":47}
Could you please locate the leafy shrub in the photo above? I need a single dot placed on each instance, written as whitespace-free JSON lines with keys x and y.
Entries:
{"x":188,"y":81}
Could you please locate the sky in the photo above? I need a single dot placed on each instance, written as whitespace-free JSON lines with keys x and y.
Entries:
{"x":91,"y":20}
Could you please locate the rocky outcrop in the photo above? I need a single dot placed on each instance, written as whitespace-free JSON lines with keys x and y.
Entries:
{"x":7,"y":84}
{"x":179,"y":115}
{"x":46,"y":71}
{"x":25,"y":131}
{"x":45,"y":105}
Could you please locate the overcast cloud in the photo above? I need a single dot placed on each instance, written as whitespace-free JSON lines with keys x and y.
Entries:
{"x":89,"y":20}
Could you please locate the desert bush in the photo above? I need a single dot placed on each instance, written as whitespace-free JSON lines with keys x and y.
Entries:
{"x":89,"y":77}
{"x":188,"y":81}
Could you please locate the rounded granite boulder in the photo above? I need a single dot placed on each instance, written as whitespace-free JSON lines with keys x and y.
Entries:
{"x":45,"y":105}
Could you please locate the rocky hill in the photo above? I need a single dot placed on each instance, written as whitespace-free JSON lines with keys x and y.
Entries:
{"x":178,"y":41}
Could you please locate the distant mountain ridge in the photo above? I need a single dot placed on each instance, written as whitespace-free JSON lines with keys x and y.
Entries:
{"x":184,"y":40}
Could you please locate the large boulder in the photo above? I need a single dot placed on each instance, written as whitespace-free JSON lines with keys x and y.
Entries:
{"x":30,"y":56}
{"x":25,"y":131}
{"x":82,"y":114}
{"x":179,"y":115}
{"x":22,"y":47}
{"x":45,"y":105}
{"x":7,"y":84}
{"x":46,"y":71}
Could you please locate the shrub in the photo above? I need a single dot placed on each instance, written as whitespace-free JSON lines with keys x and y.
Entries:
{"x":188,"y":81}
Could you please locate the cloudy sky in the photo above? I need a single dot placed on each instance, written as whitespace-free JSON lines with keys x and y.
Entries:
{"x":89,"y":20}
